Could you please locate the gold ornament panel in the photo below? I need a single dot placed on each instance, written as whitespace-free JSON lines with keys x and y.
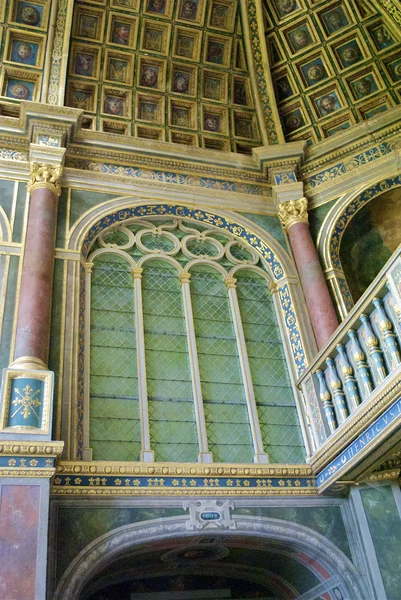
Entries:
{"x":163,"y":70}
{"x":333,"y":64}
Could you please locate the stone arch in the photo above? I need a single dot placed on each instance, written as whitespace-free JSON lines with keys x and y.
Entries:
{"x":334,"y":225}
{"x":103,"y":550}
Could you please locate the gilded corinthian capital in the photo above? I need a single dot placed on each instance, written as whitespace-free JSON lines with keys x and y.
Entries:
{"x":45,"y":176}
{"x":293,"y":211}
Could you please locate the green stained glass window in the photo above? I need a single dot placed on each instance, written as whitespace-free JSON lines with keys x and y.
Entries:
{"x":114,"y":428}
{"x":114,"y":420}
{"x":170,"y":400}
{"x":271,"y":383}
{"x":223,"y":391}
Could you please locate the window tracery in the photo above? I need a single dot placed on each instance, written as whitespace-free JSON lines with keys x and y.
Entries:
{"x":211,"y":376}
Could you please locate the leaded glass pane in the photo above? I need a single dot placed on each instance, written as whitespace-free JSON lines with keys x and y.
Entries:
{"x":170,"y":401}
{"x":271,"y":383}
{"x":223,"y":391}
{"x":114,"y":428}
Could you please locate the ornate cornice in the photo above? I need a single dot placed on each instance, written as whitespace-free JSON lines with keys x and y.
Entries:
{"x":160,"y":469}
{"x":32,"y":448}
{"x":167,"y":479}
{"x":45,"y":176}
{"x":292,"y":212}
{"x":28,"y":458}
{"x":391,"y":475}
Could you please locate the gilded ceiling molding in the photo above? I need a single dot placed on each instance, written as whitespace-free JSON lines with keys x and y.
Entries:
{"x":257,"y":55}
{"x":292,"y":212}
{"x":392,"y":9}
{"x":58,"y":66}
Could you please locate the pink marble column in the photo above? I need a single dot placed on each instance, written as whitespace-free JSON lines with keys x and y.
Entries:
{"x":33,"y":323}
{"x":321,"y":310}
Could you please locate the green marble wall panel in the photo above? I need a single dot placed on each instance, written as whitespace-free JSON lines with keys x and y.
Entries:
{"x":6,"y":195}
{"x":271,"y":383}
{"x":326,"y":520}
{"x":19,"y":213}
{"x":55,"y":331}
{"x":317,"y":216}
{"x":77,"y":527}
{"x":271,"y":224}
{"x":170,"y":403}
{"x":385,"y":528}
{"x":9,"y":312}
{"x":114,"y":402}
{"x":223,"y":390}
{"x":84,"y":200}
{"x":62,"y":219}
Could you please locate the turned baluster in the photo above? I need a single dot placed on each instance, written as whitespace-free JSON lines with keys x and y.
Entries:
{"x":327,"y":405}
{"x":349,"y":379}
{"x":373,"y":348}
{"x":340,"y":405}
{"x":361,"y":365}
{"x":389,"y":338}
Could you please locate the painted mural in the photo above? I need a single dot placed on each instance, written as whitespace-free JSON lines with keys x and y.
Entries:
{"x":370,"y":240}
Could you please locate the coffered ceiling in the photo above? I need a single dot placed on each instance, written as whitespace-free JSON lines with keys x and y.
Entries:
{"x":333,"y":64}
{"x":163,"y":70}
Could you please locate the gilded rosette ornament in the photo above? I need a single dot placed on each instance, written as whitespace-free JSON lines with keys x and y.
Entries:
{"x":45,"y":176}
{"x":293,"y":211}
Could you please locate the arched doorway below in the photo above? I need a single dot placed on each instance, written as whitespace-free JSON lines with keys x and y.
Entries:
{"x":259,"y":558}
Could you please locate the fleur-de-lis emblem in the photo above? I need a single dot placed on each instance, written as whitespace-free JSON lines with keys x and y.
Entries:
{"x":27,"y":402}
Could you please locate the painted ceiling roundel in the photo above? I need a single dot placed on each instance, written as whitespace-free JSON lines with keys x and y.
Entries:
{"x":334,"y":63}
{"x":163,"y":70}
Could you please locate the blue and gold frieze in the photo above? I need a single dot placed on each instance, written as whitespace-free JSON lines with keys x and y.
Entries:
{"x":26,"y":462}
{"x":183,"y":485}
{"x":363,"y":444}
{"x":350,"y":164}
{"x":28,"y":458}
{"x":297,"y":349}
{"x":171,"y":177}
{"x":284,"y":177}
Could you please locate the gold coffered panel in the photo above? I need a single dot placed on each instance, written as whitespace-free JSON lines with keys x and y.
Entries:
{"x":164,"y":70}
{"x":333,"y":64}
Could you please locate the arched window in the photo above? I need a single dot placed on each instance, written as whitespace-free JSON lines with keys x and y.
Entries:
{"x":185,"y":353}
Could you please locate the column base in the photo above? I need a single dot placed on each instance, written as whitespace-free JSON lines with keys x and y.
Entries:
{"x":262,"y":458}
{"x":87,"y":454}
{"x":205,"y":457}
{"x":147,"y":456}
{"x":28,"y":362}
